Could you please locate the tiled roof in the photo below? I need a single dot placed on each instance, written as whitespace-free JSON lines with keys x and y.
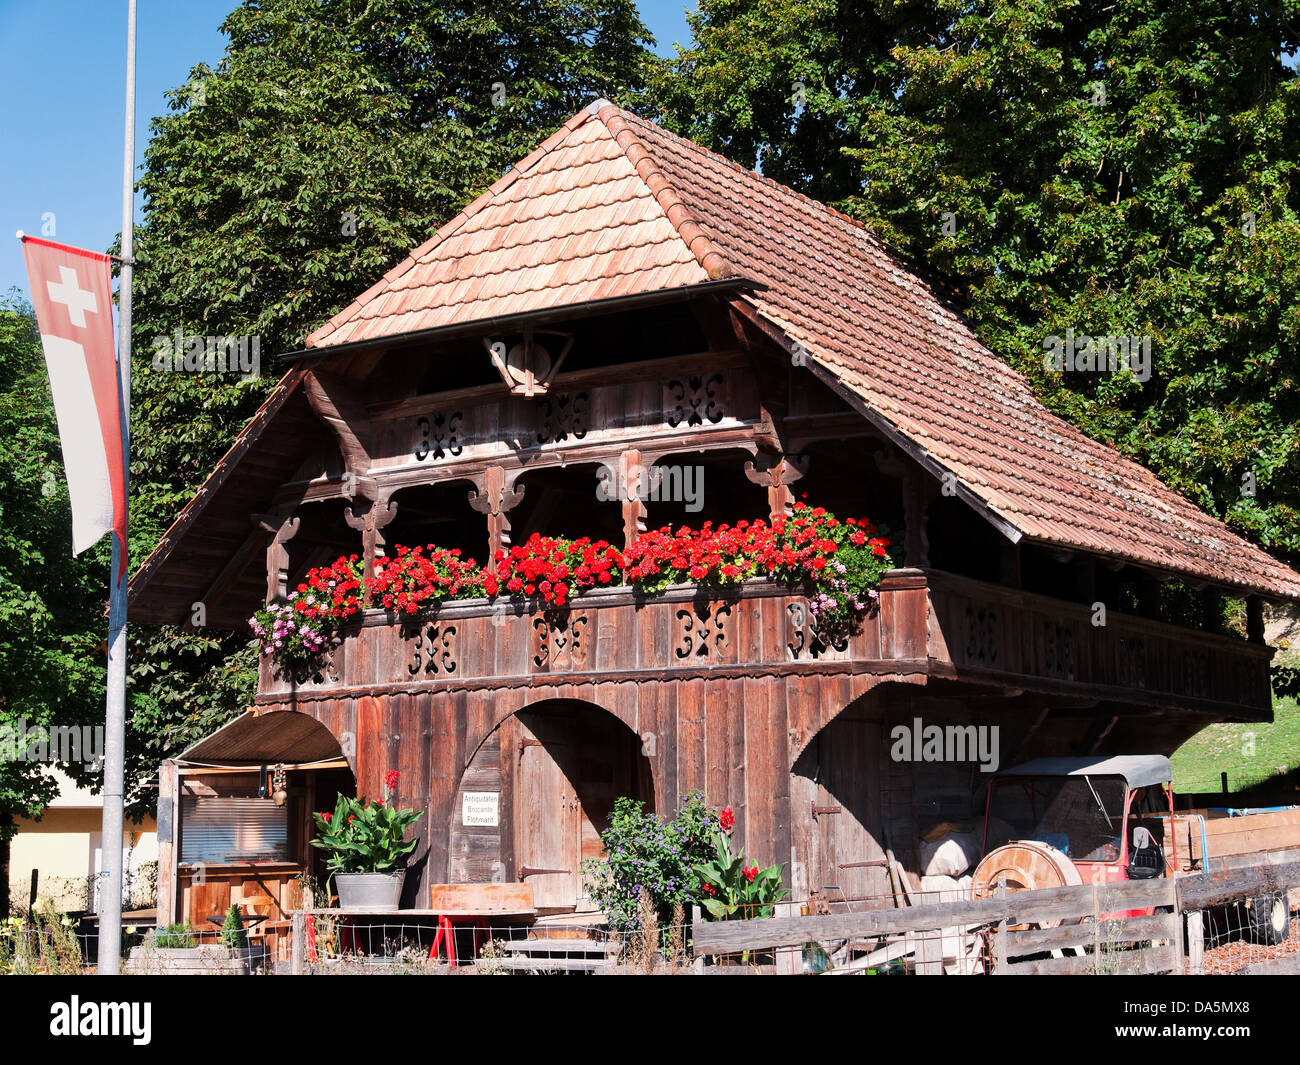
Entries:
{"x":612,"y":205}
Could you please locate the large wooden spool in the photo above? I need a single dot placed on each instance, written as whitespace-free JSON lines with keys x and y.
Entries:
{"x":1026,"y":866}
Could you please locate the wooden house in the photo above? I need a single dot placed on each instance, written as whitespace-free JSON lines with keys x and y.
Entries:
{"x":623,"y":300}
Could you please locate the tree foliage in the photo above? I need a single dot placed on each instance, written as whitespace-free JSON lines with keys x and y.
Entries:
{"x":52,"y":606}
{"x":1115,"y":169}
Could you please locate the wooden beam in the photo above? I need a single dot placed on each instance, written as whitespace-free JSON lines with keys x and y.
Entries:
{"x":1254,"y":619}
{"x":334,"y":401}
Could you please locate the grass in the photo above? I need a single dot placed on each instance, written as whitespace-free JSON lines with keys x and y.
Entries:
{"x":1249,"y":753}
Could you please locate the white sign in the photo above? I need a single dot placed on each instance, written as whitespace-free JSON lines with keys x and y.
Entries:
{"x":479,"y":808}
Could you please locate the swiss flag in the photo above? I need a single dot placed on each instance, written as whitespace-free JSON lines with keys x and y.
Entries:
{"x":71,"y":291}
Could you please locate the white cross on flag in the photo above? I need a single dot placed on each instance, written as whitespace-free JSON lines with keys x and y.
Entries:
{"x":71,"y":292}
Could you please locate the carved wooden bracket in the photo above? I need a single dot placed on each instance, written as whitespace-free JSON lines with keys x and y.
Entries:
{"x":282,"y":528}
{"x":631,"y":467}
{"x":380,"y":513}
{"x":776,"y":473}
{"x":495,"y":495}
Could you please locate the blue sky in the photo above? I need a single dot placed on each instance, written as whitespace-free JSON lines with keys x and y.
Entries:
{"x":62,"y":75}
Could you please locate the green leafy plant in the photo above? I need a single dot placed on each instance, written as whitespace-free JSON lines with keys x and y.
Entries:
{"x":175,"y":937}
{"x":232,"y":932}
{"x":645,"y":853}
{"x":361,"y":836}
{"x":733,"y":890}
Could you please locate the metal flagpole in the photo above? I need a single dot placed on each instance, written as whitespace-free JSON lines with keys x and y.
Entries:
{"x":110,"y":895}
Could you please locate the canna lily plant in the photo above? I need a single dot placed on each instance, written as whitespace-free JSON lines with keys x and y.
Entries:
{"x":361,"y":836}
{"x":731,"y":889}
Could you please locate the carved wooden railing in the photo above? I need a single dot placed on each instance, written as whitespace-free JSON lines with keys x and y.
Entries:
{"x":927,"y":622}
{"x":611,"y":632}
{"x":986,"y":630}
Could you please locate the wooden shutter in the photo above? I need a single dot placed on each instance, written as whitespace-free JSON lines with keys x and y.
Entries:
{"x":234,"y":830}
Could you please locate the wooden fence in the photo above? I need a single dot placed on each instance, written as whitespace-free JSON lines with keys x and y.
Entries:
{"x":1077,"y":918}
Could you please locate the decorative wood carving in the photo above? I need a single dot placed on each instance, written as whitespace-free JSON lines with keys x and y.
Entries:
{"x":563,"y":416}
{"x":434,"y":651}
{"x":634,"y":511}
{"x":380,"y":513}
{"x":806,"y":639}
{"x":559,"y":641}
{"x":981,"y":636}
{"x":694,"y":400}
{"x":438,"y":435}
{"x":1058,"y":648}
{"x":495,"y":496}
{"x":702,"y":630}
{"x":282,"y":528}
{"x":776,"y":473}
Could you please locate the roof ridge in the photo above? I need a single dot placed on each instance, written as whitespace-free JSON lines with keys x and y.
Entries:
{"x":695,"y":236}
{"x":943,"y":290}
{"x":513,"y":173}
{"x":765,"y":179}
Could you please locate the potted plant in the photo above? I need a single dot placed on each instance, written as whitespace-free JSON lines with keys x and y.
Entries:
{"x":366,"y":849}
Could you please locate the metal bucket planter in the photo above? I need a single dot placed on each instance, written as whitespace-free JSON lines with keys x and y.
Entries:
{"x":370,"y":892}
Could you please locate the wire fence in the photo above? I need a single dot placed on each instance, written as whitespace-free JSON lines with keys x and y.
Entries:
{"x":1243,"y":935}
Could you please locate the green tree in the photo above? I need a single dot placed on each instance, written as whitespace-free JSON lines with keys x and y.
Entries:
{"x":332,"y":138}
{"x":1122,"y":170}
{"x":52,"y":606}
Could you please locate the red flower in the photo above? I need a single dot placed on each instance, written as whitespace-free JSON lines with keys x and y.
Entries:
{"x":325,"y":818}
{"x":727,"y":819}
{"x":390,"y":779}
{"x":751,"y":872}
{"x":707,"y":889}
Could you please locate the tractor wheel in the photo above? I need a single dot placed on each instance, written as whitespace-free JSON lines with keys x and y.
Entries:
{"x":1025,"y":866}
{"x":1270,"y":919}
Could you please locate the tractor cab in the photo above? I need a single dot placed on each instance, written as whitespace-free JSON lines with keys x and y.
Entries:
{"x":1107,"y":816}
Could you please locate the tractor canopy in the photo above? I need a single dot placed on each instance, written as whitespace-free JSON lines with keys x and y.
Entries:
{"x":1137,"y":770}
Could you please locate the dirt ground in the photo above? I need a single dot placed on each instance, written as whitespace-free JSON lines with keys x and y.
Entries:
{"x":1239,"y":951}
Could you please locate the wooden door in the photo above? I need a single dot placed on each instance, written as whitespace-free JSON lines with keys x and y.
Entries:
{"x":547,"y":813}
{"x":840,"y":773}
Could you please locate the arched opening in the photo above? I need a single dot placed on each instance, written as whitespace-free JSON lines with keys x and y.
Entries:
{"x":323,"y":535}
{"x":438,"y":514}
{"x":537,"y":795}
{"x":692,"y":487}
{"x":566,"y":501}
{"x":839,"y":776}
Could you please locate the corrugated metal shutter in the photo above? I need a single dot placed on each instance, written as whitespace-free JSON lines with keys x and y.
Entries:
{"x":234,"y":830}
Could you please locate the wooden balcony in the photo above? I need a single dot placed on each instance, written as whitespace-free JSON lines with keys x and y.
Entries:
{"x":988,"y":633}
{"x":928,"y":623}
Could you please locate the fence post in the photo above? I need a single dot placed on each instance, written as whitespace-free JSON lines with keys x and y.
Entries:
{"x":788,"y":962}
{"x":1196,"y":942}
{"x":697,"y":917}
{"x":298,"y":947}
{"x":1000,"y":937}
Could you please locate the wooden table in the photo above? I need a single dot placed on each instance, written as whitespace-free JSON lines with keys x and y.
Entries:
{"x":447,"y":917}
